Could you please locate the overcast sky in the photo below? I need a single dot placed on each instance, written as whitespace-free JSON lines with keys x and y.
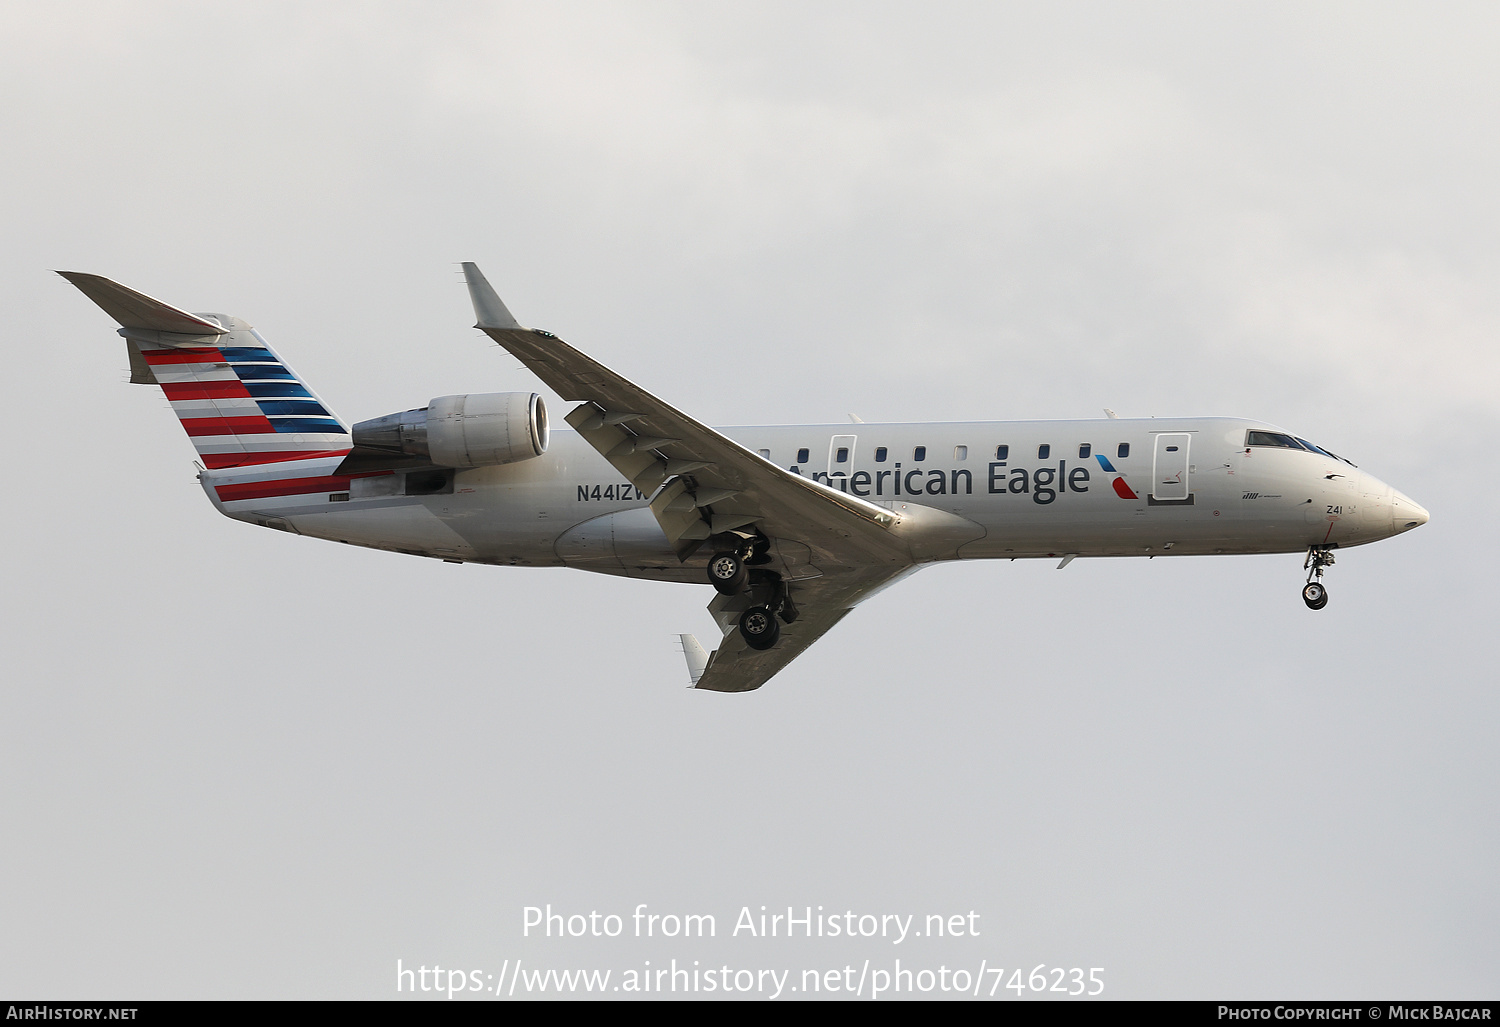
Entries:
{"x":237,"y":763}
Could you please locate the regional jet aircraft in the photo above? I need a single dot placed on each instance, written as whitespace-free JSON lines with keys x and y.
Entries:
{"x":792,"y":525}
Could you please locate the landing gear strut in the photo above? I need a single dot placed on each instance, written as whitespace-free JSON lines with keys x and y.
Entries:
{"x":737,"y":570}
{"x":1313,"y":593}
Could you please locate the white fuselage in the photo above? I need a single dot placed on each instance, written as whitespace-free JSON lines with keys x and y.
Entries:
{"x":1185,"y":486}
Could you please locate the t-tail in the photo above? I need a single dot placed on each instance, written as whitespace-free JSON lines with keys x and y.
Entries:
{"x":237,"y":400}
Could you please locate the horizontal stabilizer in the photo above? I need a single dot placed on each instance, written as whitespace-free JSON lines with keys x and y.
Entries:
{"x":137,"y":310}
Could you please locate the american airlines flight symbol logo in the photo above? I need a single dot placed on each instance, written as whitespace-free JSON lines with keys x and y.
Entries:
{"x":1121,"y":489}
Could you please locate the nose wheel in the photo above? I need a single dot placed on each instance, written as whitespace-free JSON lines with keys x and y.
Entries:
{"x":1313,"y":593}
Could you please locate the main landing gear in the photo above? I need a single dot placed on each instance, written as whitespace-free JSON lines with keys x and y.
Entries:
{"x":729,"y":569}
{"x":731,"y":573}
{"x":728,"y":574}
{"x":759,"y":628}
{"x":758,"y":625}
{"x":1313,"y":593}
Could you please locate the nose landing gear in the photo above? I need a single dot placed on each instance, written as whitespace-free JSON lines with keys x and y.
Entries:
{"x":1313,"y":593}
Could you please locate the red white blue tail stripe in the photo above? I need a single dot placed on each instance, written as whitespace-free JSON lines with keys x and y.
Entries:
{"x":240,"y":403}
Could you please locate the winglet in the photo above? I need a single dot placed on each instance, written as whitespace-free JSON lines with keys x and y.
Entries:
{"x":697,"y":659}
{"x":489,"y":312}
{"x":137,"y":310}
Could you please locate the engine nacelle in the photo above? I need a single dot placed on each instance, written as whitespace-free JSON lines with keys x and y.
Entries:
{"x":478,"y":430}
{"x":485,"y":429}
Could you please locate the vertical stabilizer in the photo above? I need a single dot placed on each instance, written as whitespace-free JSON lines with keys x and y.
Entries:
{"x":237,"y":400}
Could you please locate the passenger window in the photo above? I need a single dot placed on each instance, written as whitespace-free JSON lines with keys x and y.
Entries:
{"x":1043,"y":452}
{"x":1123,"y":451}
{"x":960,"y":452}
{"x":1171,"y":449}
{"x":919,"y":454}
{"x":1084,"y":451}
{"x":766,"y":453}
{"x":842,"y":456}
{"x":802,"y":456}
{"x":880,"y":454}
{"x":1002,"y":452}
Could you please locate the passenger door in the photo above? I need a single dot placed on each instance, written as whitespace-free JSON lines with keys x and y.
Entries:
{"x":1169,"y":468}
{"x":841,"y":461}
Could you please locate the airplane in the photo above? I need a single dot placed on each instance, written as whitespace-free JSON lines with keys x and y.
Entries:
{"x":792,"y":525}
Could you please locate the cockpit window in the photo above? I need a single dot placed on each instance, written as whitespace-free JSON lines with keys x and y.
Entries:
{"x":1326,"y":452}
{"x":1271,"y":438}
{"x":1276,"y":438}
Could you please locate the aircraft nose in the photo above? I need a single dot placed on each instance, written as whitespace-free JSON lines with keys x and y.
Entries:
{"x":1406,"y":513}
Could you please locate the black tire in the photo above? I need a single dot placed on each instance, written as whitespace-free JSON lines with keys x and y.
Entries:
{"x":727,"y":573}
{"x":759,"y":628}
{"x":760,"y":551}
{"x":1314,"y":595}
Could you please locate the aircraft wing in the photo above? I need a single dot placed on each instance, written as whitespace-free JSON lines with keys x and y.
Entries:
{"x":831,"y":549}
{"x":822,"y":603}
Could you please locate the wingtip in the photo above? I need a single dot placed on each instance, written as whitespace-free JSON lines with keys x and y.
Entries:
{"x":697,"y":658}
{"x":489,"y":310}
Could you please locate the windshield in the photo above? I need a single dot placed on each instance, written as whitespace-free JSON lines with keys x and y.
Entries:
{"x":1280,"y":440}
